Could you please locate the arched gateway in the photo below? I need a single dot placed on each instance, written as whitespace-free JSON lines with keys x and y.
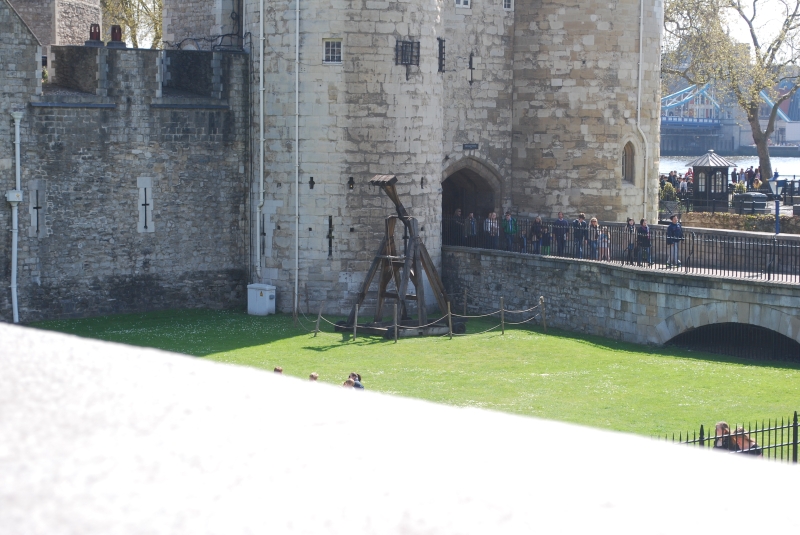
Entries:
{"x":472,"y":186}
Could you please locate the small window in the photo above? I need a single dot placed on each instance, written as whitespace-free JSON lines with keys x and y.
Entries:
{"x":462,"y":3}
{"x":508,"y":5}
{"x":441,"y":54}
{"x":628,"y":163}
{"x":333,"y":51}
{"x":406,"y":53}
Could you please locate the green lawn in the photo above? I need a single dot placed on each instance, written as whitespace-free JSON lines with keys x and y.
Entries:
{"x":558,"y":375}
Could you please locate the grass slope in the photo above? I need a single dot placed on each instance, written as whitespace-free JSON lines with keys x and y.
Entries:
{"x":560,"y":376}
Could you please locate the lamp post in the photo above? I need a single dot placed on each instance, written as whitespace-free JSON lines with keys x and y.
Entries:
{"x":777,"y":187}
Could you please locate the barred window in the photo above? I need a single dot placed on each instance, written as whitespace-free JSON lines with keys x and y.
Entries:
{"x":508,"y":5}
{"x":406,"y":53}
{"x":441,"y":54}
{"x":462,"y":3}
{"x":333,"y":51}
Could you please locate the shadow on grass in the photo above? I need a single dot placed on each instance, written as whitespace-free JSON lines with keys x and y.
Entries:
{"x":202,"y":332}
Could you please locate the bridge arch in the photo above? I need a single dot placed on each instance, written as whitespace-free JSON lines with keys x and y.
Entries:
{"x":727,"y":312}
{"x":471,"y":185}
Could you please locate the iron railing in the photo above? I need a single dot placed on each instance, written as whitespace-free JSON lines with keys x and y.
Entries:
{"x":770,"y":440}
{"x":727,"y":254}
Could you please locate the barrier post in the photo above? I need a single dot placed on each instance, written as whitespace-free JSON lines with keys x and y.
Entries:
{"x":502,"y":317}
{"x":794,"y":438}
{"x":544,"y":316}
{"x":465,"y":300}
{"x":316,"y":330}
{"x":449,"y":321}
{"x":395,"y":323}
{"x":355,"y":324}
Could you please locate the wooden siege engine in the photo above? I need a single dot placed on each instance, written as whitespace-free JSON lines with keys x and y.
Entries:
{"x":399,"y":269}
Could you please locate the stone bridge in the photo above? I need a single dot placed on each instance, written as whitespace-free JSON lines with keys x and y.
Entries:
{"x":620,"y":302}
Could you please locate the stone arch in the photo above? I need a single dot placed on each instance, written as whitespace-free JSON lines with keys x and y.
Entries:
{"x":726,"y":312}
{"x":473,"y":186}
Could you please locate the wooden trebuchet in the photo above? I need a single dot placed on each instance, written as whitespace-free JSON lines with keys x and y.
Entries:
{"x":400,"y":268}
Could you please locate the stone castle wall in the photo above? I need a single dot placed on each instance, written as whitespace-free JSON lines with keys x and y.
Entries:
{"x":40,"y":17}
{"x":640,"y":306}
{"x":551,"y":105}
{"x":73,"y":18}
{"x":198,"y":24}
{"x":90,"y":158}
{"x":358,"y":118}
{"x":575,"y":105}
{"x":60,"y":22}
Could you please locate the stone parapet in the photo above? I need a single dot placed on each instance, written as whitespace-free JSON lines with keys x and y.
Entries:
{"x":615,"y":301}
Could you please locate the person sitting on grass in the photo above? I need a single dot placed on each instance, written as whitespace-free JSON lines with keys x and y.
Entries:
{"x":349,"y":383}
{"x":313,"y":377}
{"x":356,"y":380}
{"x":722,"y":438}
{"x":746,"y":444}
{"x":278,"y":370}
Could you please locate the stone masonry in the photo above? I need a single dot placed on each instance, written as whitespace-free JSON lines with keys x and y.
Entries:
{"x":60,"y":22}
{"x":623,"y":303}
{"x":547,"y":92}
{"x":89,"y":145}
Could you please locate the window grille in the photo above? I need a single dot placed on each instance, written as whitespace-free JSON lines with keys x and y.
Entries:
{"x":333,"y":51}
{"x":508,"y":5}
{"x":441,"y":54}
{"x":462,"y":3}
{"x":406,"y":53}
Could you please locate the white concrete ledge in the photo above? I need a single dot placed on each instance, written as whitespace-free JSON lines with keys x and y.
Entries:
{"x":98,"y":438}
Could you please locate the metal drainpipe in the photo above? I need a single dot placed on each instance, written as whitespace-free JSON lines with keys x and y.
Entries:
{"x":14,"y":197}
{"x":296,"y":154}
{"x":260,"y":139}
{"x":639,"y":107}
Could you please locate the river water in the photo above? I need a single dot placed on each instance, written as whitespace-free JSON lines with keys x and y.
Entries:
{"x":786,"y":166}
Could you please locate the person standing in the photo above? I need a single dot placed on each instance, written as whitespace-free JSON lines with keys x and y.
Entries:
{"x":734,"y":176}
{"x":579,"y":235}
{"x":471,"y":230}
{"x":560,"y":229}
{"x":594,"y":237}
{"x":491,"y":229}
{"x":643,"y":242}
{"x":630,"y":230}
{"x":510,"y":230}
{"x":455,"y":230}
{"x":535,"y":235}
{"x":603,"y":244}
{"x":674,"y":238}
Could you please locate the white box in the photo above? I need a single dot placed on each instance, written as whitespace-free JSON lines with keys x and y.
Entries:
{"x":260,"y":299}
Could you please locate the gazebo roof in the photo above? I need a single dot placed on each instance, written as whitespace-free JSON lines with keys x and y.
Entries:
{"x":711,"y":159}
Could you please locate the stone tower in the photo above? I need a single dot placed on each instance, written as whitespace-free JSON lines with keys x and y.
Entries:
{"x":361,"y":112}
{"x":530,"y":106}
{"x":59,"y":22}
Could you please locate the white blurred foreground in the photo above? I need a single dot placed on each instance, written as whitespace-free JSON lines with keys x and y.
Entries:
{"x":100,"y":438}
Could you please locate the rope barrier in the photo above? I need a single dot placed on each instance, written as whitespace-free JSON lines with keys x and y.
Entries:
{"x":481,"y":316}
{"x":521,"y":311}
{"x":439,"y":321}
{"x":521,"y":322}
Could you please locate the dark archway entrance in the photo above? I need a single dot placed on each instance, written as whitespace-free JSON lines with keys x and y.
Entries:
{"x":740,"y":340}
{"x":467,"y":190}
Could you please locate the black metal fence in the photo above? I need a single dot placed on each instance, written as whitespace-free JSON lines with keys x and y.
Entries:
{"x":771,"y":440}
{"x":740,"y":256}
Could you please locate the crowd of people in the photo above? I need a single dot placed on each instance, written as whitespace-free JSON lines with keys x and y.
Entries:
{"x":684,"y":184}
{"x":577,"y":239}
{"x":352,"y":381}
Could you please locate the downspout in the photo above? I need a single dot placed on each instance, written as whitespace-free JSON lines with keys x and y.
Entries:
{"x":260,"y":139}
{"x":639,"y":107}
{"x":296,"y":153}
{"x":14,"y":198}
